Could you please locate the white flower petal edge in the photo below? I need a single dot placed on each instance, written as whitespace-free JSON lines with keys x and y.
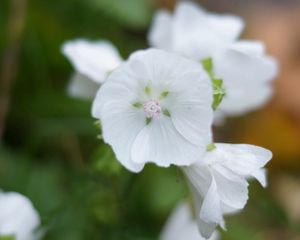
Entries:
{"x":18,"y":217}
{"x":219,"y":182}
{"x":94,"y":59}
{"x":198,"y":39}
{"x":246,"y":72}
{"x":156,"y":107}
{"x":181,"y":226}
{"x":206,"y":34}
{"x":160,"y":34}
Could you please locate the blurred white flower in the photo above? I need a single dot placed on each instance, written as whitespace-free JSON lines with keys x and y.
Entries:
{"x":219,"y":182}
{"x":247,"y":74}
{"x":200,"y":38}
{"x":93,"y":61}
{"x":18,"y":217}
{"x":243,"y":66}
{"x":156,"y":107}
{"x":182,"y":226}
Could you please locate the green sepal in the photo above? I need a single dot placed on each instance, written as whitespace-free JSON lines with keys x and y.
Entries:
{"x":166,"y":113}
{"x":164,"y":94}
{"x":208,"y":66}
{"x":137,"y":105}
{"x":97,"y":125}
{"x":147,"y":90}
{"x":211,"y":147}
{"x":148,"y":120}
{"x":219,"y":91}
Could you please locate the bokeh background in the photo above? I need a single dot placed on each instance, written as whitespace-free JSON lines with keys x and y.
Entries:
{"x":49,"y":148}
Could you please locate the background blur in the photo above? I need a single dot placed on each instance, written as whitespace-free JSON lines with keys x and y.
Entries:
{"x":49,"y":149}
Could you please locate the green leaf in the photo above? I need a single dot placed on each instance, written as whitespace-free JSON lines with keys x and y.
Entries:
{"x":219,"y":91}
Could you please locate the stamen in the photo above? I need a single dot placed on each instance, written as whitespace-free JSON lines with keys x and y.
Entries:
{"x":152,"y":108}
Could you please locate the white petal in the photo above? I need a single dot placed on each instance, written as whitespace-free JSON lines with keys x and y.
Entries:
{"x":200,"y":179}
{"x":193,"y":38}
{"x":178,"y":218}
{"x":121,"y":123}
{"x":238,"y":101}
{"x":199,"y":187}
{"x":237,"y":68}
{"x":232,"y":189}
{"x":160,"y":34}
{"x":192,"y":114}
{"x":242,"y":159}
{"x":250,"y":47}
{"x":124,"y":92}
{"x":160,"y":142}
{"x":207,"y":230}
{"x":246,"y":75}
{"x":228,"y":27}
{"x":229,"y":210}
{"x":211,"y":208}
{"x":205,"y":34}
{"x":182,"y":226}
{"x":166,"y":71}
{"x":17,"y":216}
{"x":261,"y":176}
{"x":93,"y":59}
{"x":206,"y":199}
{"x":82,"y":87}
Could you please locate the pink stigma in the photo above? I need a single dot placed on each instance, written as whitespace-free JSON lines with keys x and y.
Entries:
{"x":152,"y":108}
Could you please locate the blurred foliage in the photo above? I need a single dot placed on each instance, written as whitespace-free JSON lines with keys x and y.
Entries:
{"x":51,"y":152}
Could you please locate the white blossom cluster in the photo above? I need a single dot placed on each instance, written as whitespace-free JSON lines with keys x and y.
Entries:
{"x":159,"y":106}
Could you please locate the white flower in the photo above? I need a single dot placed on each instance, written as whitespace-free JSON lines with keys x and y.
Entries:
{"x":243,"y":66}
{"x":219,"y":182}
{"x":247,"y":74}
{"x":194,"y":32}
{"x":182,"y":226}
{"x":93,"y":62}
{"x":18,"y":217}
{"x":156,"y":107}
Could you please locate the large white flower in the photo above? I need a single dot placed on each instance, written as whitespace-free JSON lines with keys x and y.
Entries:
{"x":182,"y":226}
{"x":219,"y":181}
{"x":243,"y":66}
{"x":93,"y":61}
{"x":156,"y":107}
{"x":18,"y":218}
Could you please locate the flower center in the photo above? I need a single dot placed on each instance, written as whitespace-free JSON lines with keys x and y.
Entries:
{"x":152,"y":108}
